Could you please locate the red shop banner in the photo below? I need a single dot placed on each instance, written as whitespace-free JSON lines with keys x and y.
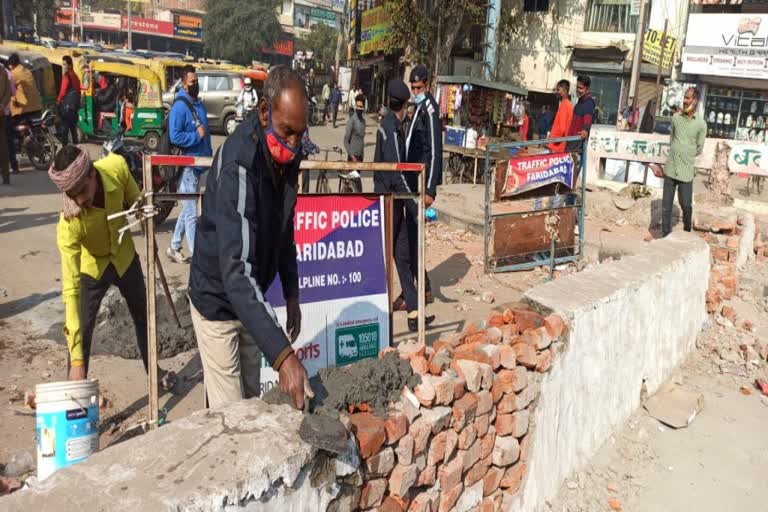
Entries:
{"x":147,"y":26}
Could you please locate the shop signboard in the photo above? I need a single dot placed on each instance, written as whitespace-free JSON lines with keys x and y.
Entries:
{"x":729,"y":45}
{"x":324,"y":16}
{"x":652,"y":48}
{"x":281,"y":47}
{"x":342,"y":281}
{"x":745,"y":157}
{"x":338,"y":5}
{"x":188,"y":27}
{"x":96,"y":20}
{"x":529,"y":173}
{"x":147,"y":26}
{"x":375,"y":26}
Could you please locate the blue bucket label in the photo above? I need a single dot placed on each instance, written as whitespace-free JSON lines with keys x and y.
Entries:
{"x":66,"y":437}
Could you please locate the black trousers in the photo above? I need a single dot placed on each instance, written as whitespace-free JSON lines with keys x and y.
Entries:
{"x":406,"y":231}
{"x":10,"y":125}
{"x":334,"y":113}
{"x":69,"y":128}
{"x":684,"y":196}
{"x":133,"y":290}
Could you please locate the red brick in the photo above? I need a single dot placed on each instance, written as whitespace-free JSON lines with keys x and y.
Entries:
{"x":506,"y":450}
{"x":492,"y":480}
{"x":369,"y":431}
{"x":464,"y":410}
{"x":526,"y":355}
{"x":450,"y":473}
{"x":442,"y":344}
{"x":554,"y":325}
{"x":427,"y":477}
{"x":487,"y":443}
{"x":395,"y":426}
{"x":444,"y":390}
{"x":381,"y":463}
{"x":538,"y":338}
{"x":410,"y":348}
{"x":391,"y":504}
{"x":544,"y":361}
{"x":526,"y":319}
{"x":729,"y":313}
{"x":404,"y":450}
{"x":472,"y":372}
{"x":440,"y":361}
{"x":488,"y":376}
{"x":477,"y":337}
{"x":372,"y":493}
{"x":410,"y":405}
{"x":438,"y":418}
{"x":451,"y":443}
{"x":420,"y":431}
{"x":495,"y":335}
{"x":515,"y":424}
{"x":467,"y":437}
{"x":459,"y":387}
{"x":496,"y":320}
{"x":449,"y":498}
{"x":425,"y":502}
{"x":507,"y":333}
{"x":477,"y":472}
{"x":719,"y":253}
{"x":419,"y":365}
{"x":524,"y":448}
{"x":481,"y":424}
{"x":733,"y":242}
{"x":511,"y":381}
{"x":402,"y":479}
{"x":436,"y":451}
{"x":507,"y":357}
{"x":425,"y":392}
{"x":484,"y":402}
{"x":497,"y":391}
{"x":470,"y":455}
{"x":507,"y":405}
{"x":472,"y":352}
{"x":513,"y":477}
{"x":508,"y":316}
{"x":493,"y":353}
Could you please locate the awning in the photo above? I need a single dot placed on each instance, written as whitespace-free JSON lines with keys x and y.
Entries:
{"x":487,"y":84}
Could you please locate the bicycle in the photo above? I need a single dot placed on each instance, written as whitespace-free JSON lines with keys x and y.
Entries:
{"x":349,"y":182}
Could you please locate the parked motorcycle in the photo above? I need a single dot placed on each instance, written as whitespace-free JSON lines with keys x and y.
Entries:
{"x":35,"y":138}
{"x":164,"y":178}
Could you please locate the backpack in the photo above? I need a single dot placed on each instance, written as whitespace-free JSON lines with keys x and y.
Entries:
{"x":165,"y":147}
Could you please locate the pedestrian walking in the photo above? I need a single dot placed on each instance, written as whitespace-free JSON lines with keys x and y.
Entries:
{"x":188,"y":130}
{"x":686,"y":142}
{"x":68,"y":101}
{"x":335,"y":100}
{"x":326,"y":96}
{"x":93,"y":258}
{"x":424,"y":145}
{"x":354,"y":134}
{"x":561,"y":126}
{"x":545,"y":122}
{"x":245,"y":237}
{"x":9,"y":134}
{"x":390,"y":147}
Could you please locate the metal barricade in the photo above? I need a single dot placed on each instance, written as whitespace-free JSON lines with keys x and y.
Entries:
{"x":533,"y":229}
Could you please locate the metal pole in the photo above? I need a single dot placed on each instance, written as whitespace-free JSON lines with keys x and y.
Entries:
{"x":661,"y":63}
{"x":73,"y":12}
{"x":422,"y":262}
{"x":130,"y":38}
{"x":154,"y":406}
{"x":637,"y":57}
{"x":489,"y":177}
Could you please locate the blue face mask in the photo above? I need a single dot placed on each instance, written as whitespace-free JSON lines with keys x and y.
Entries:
{"x":420,"y":97}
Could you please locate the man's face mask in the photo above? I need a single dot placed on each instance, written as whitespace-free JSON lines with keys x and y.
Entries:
{"x":281,"y":152}
{"x":193,"y":89}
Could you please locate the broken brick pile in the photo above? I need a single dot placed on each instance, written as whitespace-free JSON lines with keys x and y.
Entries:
{"x":459,"y":440}
{"x":723,"y":234}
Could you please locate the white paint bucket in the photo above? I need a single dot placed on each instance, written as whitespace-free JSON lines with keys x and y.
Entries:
{"x":67,"y":424}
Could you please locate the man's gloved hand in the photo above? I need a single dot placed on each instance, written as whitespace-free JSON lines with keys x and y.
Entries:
{"x":293,"y":323}
{"x":294,"y":381}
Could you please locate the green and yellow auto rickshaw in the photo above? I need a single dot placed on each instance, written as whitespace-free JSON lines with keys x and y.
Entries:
{"x":121,"y":97}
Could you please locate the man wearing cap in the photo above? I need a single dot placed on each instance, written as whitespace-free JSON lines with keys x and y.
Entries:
{"x":423,"y":145}
{"x":390,"y":147}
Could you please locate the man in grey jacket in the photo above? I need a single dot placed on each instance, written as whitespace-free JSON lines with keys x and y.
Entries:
{"x":354,"y":134}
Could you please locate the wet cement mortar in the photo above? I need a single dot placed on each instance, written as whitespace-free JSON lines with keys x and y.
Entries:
{"x":376,"y":382}
{"x":115,"y":333}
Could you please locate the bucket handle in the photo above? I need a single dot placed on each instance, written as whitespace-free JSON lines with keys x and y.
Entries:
{"x":82,"y":407}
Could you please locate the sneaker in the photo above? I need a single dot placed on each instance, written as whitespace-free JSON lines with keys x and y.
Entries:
{"x":413,"y":323}
{"x":176,"y":256}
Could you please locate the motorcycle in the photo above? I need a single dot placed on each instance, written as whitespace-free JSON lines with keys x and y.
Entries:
{"x":35,"y":138}
{"x":315,"y":113}
{"x":164,"y":178}
{"x":243,"y":113}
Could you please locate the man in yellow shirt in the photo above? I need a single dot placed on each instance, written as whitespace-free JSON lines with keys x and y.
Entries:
{"x":92,"y":256}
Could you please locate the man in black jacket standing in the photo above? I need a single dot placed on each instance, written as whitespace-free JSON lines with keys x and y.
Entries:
{"x":390,"y":147}
{"x":244,"y":238}
{"x":424,"y":145}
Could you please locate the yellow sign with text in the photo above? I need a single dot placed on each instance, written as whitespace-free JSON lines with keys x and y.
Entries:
{"x":375,"y":27}
{"x":652,"y":48}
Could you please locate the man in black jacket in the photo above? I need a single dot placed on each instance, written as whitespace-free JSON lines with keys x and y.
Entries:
{"x":390,"y":147}
{"x":244,"y":238}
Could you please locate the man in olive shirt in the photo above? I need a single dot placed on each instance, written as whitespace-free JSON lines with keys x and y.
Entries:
{"x":686,"y":143}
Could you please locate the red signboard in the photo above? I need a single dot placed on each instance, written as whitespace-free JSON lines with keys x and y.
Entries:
{"x":281,"y":47}
{"x":146,"y":26}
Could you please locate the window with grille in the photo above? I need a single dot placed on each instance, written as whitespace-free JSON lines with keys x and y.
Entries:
{"x":610,"y":16}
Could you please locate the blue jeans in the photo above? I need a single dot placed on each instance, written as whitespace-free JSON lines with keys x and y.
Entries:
{"x":187,"y":221}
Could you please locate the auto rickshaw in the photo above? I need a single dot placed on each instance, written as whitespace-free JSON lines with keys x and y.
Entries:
{"x":138,"y":110}
{"x":41,"y":70}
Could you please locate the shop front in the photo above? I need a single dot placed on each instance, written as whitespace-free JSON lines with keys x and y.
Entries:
{"x":726,"y":54}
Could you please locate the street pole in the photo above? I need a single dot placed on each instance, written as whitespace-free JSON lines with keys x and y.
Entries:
{"x":637,"y":58}
{"x":661,"y":63}
{"x":130,"y":39}
{"x":73,"y":12}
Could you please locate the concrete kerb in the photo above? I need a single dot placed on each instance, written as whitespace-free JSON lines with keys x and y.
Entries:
{"x":631,"y":322}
